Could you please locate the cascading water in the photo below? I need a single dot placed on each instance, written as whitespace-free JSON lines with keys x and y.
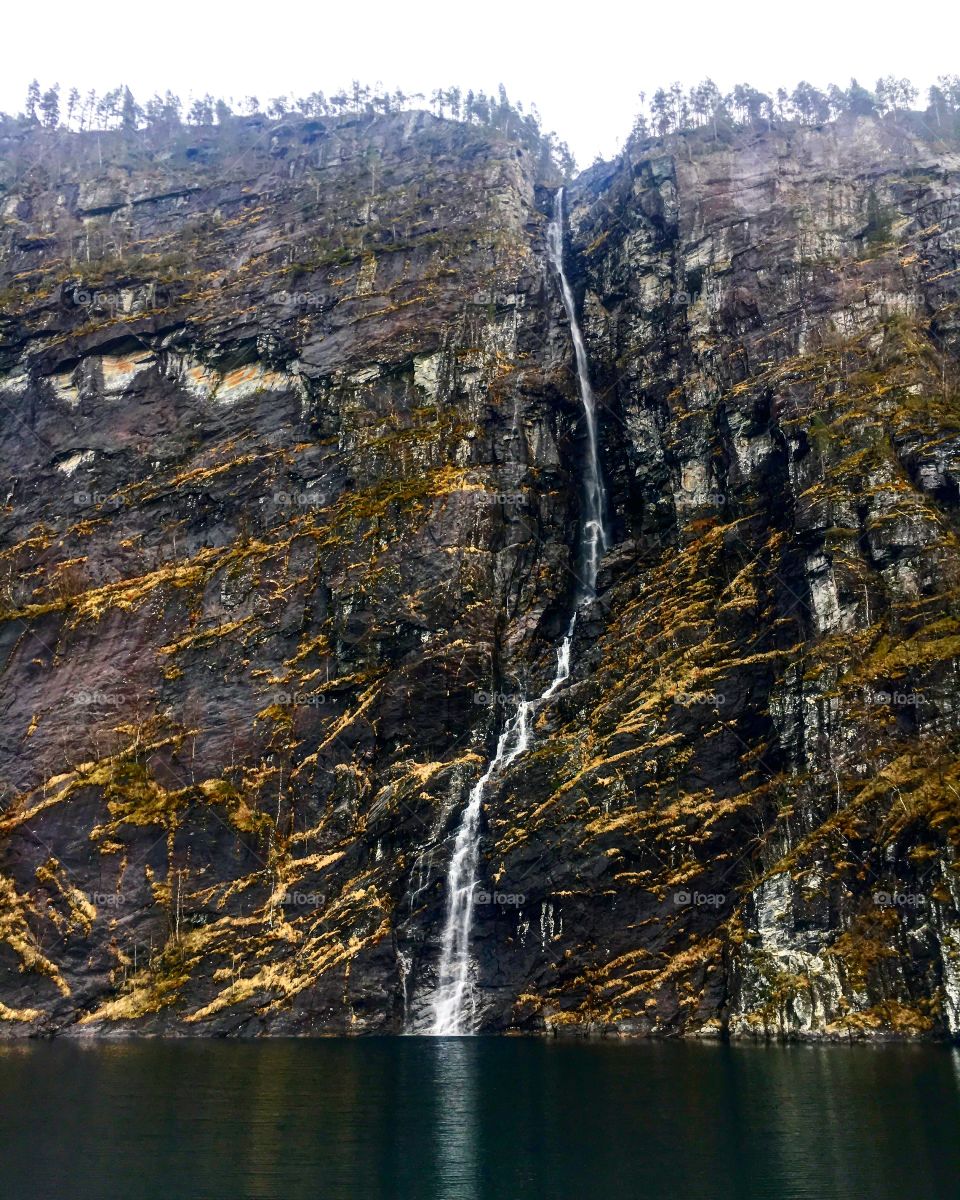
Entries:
{"x":453,"y":1001}
{"x":593,"y":533}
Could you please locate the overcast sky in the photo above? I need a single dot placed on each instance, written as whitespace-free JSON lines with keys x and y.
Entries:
{"x":582,"y":64}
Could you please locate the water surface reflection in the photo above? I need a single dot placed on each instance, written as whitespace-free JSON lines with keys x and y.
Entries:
{"x":476,"y":1119}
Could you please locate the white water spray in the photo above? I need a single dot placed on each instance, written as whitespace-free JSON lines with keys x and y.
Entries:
{"x":593,"y":534}
{"x":454,"y":1000}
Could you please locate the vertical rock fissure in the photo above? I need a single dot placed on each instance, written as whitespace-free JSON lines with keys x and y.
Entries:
{"x":454,"y":1000}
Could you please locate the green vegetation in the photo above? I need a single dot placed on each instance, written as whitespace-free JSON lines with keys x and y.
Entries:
{"x":676,"y":110}
{"x":118,"y":109}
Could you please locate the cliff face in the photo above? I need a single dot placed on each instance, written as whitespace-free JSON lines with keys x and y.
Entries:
{"x":292,"y":432}
{"x":770,"y":728}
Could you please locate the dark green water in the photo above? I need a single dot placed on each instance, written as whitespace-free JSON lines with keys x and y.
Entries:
{"x":477,"y":1119}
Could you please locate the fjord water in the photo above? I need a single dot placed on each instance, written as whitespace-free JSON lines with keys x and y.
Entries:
{"x":453,"y":1000}
{"x":476,"y":1119}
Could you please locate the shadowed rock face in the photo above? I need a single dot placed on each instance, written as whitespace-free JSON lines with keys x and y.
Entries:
{"x":291,"y":444}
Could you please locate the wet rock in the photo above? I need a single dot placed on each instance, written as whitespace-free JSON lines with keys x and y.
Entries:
{"x":290,"y":525}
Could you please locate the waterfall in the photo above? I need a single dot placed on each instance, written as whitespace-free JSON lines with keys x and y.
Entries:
{"x":593,"y":533}
{"x":453,"y":1001}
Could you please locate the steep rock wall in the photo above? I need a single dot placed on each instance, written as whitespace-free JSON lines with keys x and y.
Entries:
{"x":291,"y":424}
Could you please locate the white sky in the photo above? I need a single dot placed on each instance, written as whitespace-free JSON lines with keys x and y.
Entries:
{"x":582,"y":64}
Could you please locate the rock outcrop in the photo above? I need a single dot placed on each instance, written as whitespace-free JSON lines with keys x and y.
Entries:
{"x":291,"y":429}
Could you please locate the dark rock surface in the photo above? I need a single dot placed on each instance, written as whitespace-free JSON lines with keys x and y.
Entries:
{"x":291,"y":439}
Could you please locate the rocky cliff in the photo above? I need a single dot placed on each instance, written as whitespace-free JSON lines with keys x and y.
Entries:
{"x":292,"y":445}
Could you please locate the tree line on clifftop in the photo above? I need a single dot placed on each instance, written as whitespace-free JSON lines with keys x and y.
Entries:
{"x":676,"y":110}
{"x":119,"y":109}
{"x":667,"y":111}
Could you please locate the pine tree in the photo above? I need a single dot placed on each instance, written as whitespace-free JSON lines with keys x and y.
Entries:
{"x":108,"y":109}
{"x":662,"y":112}
{"x":50,"y":107}
{"x":172,"y":108}
{"x":860,"y":102}
{"x":810,"y":104}
{"x":906,"y":94}
{"x":938,"y":104}
{"x":678,"y":105}
{"x":88,"y":109}
{"x":33,"y":101}
{"x":201,"y":111}
{"x":836,"y":101}
{"x":640,"y":128}
{"x":131,"y":114}
{"x":153,"y":110}
{"x":708,"y":101}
